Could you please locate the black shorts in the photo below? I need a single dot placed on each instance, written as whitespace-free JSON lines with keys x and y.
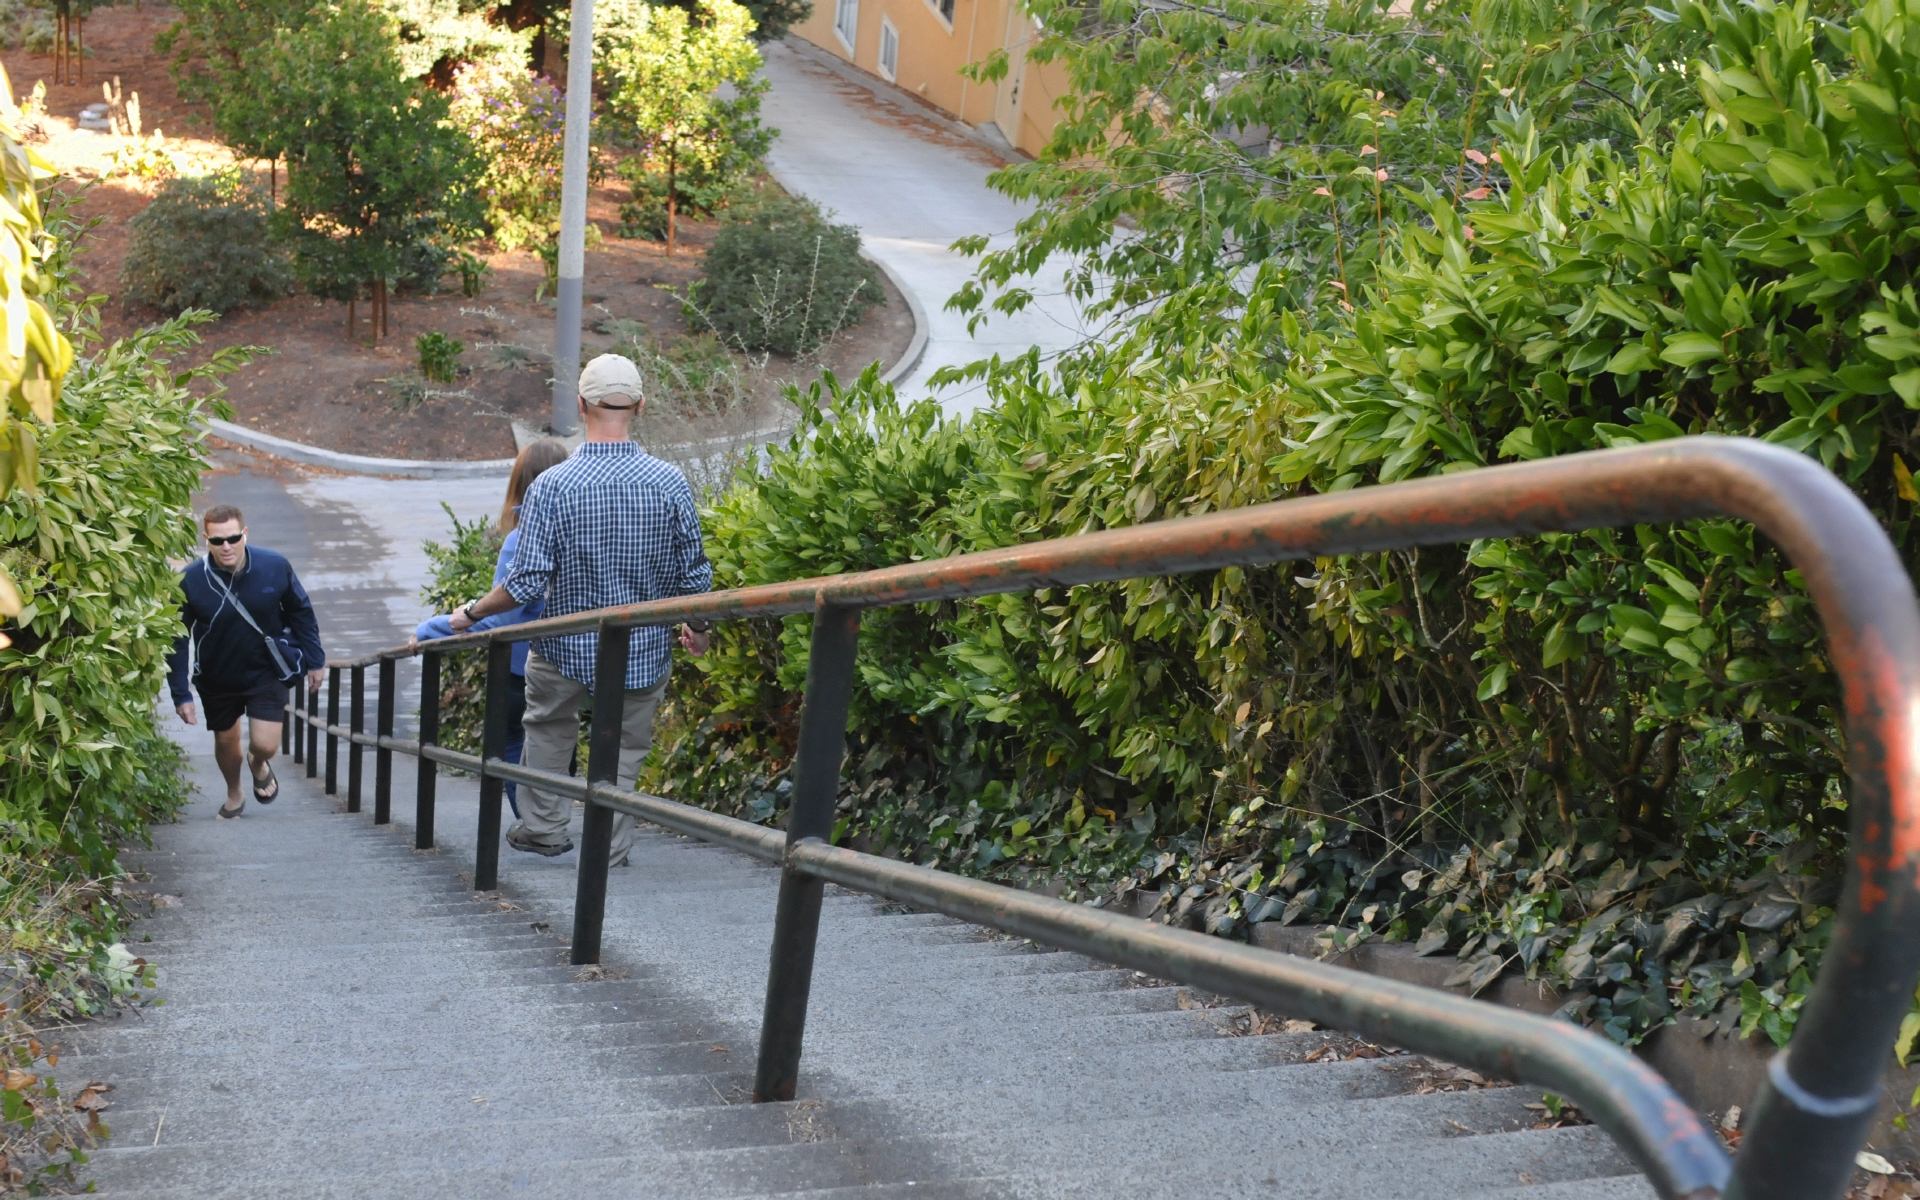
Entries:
{"x":268,"y":702}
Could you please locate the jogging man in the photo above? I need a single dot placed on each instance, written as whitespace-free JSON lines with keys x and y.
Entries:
{"x":246,"y":616}
{"x":610,"y":526}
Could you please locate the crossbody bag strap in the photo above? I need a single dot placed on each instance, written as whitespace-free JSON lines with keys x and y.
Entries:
{"x":227,"y":593}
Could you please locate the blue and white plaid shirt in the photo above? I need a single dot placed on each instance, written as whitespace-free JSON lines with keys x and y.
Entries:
{"x":612,"y":525}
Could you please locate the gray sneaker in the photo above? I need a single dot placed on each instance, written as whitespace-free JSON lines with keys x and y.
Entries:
{"x":520,"y":839}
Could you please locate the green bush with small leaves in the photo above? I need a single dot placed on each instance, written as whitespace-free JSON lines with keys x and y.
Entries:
{"x":204,"y":243}
{"x":780,"y":277}
{"x":1612,"y":761}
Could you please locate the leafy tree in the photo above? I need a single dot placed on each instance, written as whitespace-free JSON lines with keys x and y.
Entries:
{"x":378,"y":180}
{"x":666,"y":65}
{"x":217,"y":46}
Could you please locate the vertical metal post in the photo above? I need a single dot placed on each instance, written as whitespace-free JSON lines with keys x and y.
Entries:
{"x":603,"y":766}
{"x":816,"y":784}
{"x":493,"y":746}
{"x":313,"y":734}
{"x":429,"y":771}
{"x":573,"y":221}
{"x":333,"y":722}
{"x":286,"y":727}
{"x":382,"y":755}
{"x":356,"y":723}
{"x":297,"y":723}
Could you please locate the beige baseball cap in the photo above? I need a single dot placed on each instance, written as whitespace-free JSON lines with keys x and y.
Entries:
{"x":610,"y":375}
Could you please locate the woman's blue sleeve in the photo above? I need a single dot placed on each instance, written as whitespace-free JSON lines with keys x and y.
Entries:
{"x":434,"y":627}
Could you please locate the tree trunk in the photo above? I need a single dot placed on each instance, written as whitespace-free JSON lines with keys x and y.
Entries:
{"x":80,"y":54}
{"x":673,"y":193}
{"x":380,"y":286}
{"x":351,"y":322}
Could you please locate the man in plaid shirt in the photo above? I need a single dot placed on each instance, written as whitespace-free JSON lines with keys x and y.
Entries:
{"x":610,"y":526}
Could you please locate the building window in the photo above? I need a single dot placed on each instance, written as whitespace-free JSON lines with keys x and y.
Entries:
{"x":945,"y":9}
{"x":889,"y":50}
{"x":846,"y":22}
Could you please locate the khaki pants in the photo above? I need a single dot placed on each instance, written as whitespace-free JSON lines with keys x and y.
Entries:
{"x":553,"y":729}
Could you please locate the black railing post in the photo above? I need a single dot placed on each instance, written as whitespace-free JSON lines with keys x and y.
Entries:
{"x":816,"y":784}
{"x":429,"y":771}
{"x":356,"y":723}
{"x":603,"y":766}
{"x":383,"y":755}
{"x":313,"y":733}
{"x":493,"y":746}
{"x":297,"y":722}
{"x":333,"y":721}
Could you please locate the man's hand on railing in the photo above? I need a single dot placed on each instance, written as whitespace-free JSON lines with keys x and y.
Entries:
{"x":695,"y":642}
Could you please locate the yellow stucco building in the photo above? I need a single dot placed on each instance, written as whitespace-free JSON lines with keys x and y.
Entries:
{"x":920,"y":46}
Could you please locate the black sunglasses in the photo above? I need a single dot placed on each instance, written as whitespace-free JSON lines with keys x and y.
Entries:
{"x":226,"y":541}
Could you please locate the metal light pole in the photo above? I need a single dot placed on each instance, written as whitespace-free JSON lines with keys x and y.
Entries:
{"x":573,"y":221}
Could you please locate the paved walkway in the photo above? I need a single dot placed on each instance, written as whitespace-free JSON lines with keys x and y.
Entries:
{"x":912,"y":188}
{"x":344,"y":1018}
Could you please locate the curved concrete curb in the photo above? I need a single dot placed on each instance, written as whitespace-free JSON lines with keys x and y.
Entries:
{"x":917,"y":345}
{"x":419,"y":468}
{"x":357,"y":464}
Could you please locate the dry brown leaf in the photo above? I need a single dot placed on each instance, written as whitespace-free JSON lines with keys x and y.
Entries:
{"x":1298,"y":1026}
{"x":17,"y":1079}
{"x":93,"y":1097}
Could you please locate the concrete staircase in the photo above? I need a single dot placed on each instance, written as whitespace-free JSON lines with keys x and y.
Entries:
{"x":343,"y":1017}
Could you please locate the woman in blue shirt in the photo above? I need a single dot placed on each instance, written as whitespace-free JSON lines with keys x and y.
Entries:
{"x":535,"y":458}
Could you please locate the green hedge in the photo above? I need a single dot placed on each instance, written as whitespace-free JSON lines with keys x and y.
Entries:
{"x":1608,"y":760}
{"x":93,"y":549}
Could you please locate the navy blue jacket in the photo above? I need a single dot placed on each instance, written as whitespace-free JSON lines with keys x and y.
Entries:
{"x":233,"y":658}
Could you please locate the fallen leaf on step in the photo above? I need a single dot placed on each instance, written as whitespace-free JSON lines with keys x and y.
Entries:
{"x":718,"y":1050}
{"x":17,"y":1080}
{"x":1867,"y":1160}
{"x":1527,"y":1178}
{"x":1298,"y":1027}
{"x":1319,"y":1054}
{"x":167,"y":902}
{"x":93,"y":1097}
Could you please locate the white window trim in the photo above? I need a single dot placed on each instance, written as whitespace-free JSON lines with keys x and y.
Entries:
{"x":887,"y":31}
{"x":846,"y":8}
{"x":933,"y":6}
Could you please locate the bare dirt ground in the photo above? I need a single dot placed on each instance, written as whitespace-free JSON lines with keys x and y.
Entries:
{"x":317,"y":385}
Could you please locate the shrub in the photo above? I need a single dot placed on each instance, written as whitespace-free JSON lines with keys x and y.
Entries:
{"x":779,"y":277}
{"x":1610,"y":759}
{"x":462,"y":571}
{"x":516,"y":121}
{"x":204,"y":243}
{"x":439,"y":356}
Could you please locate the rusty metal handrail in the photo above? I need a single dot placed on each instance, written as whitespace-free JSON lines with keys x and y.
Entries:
{"x":1810,"y":1117}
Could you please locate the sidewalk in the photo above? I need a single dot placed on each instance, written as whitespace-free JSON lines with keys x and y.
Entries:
{"x":912,"y":188}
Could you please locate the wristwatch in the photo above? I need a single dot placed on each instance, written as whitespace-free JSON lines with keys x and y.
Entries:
{"x":699,"y":626}
{"x":466,"y":610}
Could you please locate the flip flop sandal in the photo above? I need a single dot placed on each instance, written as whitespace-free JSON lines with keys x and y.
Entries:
{"x":233,"y":812}
{"x":273,"y":781}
